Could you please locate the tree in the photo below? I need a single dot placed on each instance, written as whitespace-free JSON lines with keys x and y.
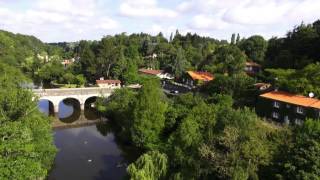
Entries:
{"x":179,"y":64}
{"x":302,"y":156}
{"x":301,"y":81}
{"x":87,"y":61}
{"x":238,"y":39}
{"x":69,"y":78}
{"x":239,"y":87}
{"x":149,"y":166}
{"x":227,"y":60}
{"x":26,"y":142}
{"x":148,"y":116}
{"x":50,"y":71}
{"x":233,"y":39}
{"x":80,"y":80}
{"x":255,"y":48}
{"x":130,"y":74}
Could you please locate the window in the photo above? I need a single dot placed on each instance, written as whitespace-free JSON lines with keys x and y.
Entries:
{"x":288,"y":106}
{"x":275,"y":115}
{"x":286,"y":120}
{"x":300,"y":110}
{"x":298,"y":121}
{"x":276,"y":104}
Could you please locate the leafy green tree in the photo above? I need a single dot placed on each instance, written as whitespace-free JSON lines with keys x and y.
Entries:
{"x":233,"y":39}
{"x":302,"y":156}
{"x":296,"y":50}
{"x":150,"y":166}
{"x":227,"y":60}
{"x":119,"y":108}
{"x":87,"y":62}
{"x":255,"y":48}
{"x":301,"y":81}
{"x":26,"y":143}
{"x":51,"y":71}
{"x":130,"y":74}
{"x":80,"y":80}
{"x":69,"y":78}
{"x":148,"y":116}
{"x":239,"y":86}
{"x":179,"y":65}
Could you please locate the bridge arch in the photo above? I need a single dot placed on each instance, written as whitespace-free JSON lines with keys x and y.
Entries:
{"x":71,"y":111}
{"x":46,"y":106}
{"x":90,"y":110}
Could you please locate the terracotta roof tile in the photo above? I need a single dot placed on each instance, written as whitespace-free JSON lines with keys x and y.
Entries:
{"x":204,"y":76}
{"x":108,"y":81}
{"x":251,"y":63}
{"x":316,"y":105}
{"x":291,"y":98}
{"x":150,"y":71}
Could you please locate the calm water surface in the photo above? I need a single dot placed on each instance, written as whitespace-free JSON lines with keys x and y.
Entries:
{"x":86,"y":153}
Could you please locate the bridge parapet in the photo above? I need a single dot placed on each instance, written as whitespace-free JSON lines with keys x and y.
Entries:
{"x":81,"y":94}
{"x":72,"y":91}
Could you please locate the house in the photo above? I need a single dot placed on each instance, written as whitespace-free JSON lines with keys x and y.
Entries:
{"x":262,"y":86}
{"x":252,"y":68}
{"x":287,"y":108}
{"x":157,"y":73}
{"x":67,"y":62}
{"x":109,"y":83}
{"x":195,"y":78}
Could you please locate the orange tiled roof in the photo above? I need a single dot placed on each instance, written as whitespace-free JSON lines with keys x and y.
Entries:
{"x":251,"y":63}
{"x":292,"y":98}
{"x":316,"y":105}
{"x":108,"y":81}
{"x":150,"y":71}
{"x":204,"y":76}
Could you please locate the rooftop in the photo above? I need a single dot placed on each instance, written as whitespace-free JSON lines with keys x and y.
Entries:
{"x":150,"y":71}
{"x":292,"y":99}
{"x":197,"y":75}
{"x":108,"y":81}
{"x":251,"y":63}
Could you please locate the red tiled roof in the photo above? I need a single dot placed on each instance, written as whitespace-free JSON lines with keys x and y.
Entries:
{"x":197,"y":75}
{"x":150,"y":71}
{"x":108,"y":81}
{"x":292,"y":99}
{"x":250,"y":63}
{"x":316,"y":105}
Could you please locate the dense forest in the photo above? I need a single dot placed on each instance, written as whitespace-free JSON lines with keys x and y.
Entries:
{"x":208,"y":134}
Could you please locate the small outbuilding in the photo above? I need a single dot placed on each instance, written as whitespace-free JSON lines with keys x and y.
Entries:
{"x":109,"y":83}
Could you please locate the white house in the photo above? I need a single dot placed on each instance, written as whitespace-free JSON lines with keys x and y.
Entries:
{"x":109,"y":83}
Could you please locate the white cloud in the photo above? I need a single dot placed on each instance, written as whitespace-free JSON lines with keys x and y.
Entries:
{"x":59,"y":20}
{"x":145,"y":8}
{"x":206,"y":22}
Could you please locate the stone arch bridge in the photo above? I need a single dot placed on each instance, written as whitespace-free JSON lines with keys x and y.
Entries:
{"x":81,"y":94}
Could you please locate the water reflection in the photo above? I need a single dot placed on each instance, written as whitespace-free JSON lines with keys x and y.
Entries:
{"x":90,"y":111}
{"x":69,"y":110}
{"x":85,"y":153}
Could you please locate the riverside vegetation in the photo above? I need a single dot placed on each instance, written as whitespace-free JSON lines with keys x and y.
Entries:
{"x":211,"y":134}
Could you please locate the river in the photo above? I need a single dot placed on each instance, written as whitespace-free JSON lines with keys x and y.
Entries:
{"x":89,"y":152}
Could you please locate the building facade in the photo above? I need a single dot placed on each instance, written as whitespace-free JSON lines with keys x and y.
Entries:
{"x":109,"y":83}
{"x":287,"y":108}
{"x":252,"y":68}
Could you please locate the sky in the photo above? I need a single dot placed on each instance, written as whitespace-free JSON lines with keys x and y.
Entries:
{"x":74,"y":20}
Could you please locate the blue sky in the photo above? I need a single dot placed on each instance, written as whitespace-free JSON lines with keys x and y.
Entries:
{"x":73,"y":20}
